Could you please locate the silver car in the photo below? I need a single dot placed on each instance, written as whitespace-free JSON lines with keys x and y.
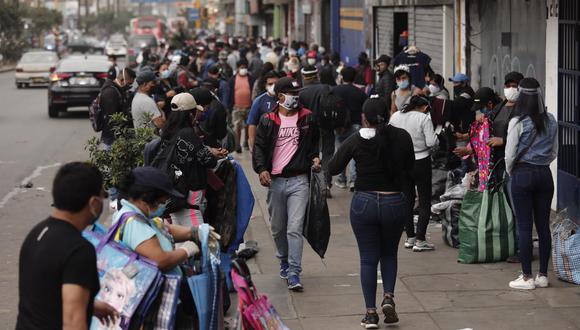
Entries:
{"x":34,"y":68}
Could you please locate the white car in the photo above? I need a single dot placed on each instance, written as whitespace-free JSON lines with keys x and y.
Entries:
{"x":116,"y":47}
{"x":34,"y":68}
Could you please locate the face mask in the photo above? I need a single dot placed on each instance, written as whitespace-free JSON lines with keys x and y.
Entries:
{"x":97,"y":215}
{"x":270,"y":89}
{"x":311,"y":61}
{"x":511,"y":94}
{"x":165,"y":74}
{"x":434,"y":89}
{"x":403,"y":84}
{"x":243,"y":72}
{"x":159,"y":211}
{"x":290,"y":101}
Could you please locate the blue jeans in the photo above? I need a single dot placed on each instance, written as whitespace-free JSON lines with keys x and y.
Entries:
{"x":287,"y":202}
{"x":377,"y":221}
{"x":532,"y":189}
{"x":340,"y":138}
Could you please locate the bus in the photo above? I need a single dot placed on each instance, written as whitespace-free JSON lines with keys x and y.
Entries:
{"x":149,"y":25}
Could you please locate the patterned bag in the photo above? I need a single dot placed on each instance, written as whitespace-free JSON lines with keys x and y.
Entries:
{"x":566,"y":249}
{"x":169,"y":297}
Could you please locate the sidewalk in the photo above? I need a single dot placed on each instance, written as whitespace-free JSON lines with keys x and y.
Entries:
{"x":7,"y":67}
{"x":433,"y":291}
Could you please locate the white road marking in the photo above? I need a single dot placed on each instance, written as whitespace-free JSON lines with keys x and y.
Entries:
{"x":36,"y":173}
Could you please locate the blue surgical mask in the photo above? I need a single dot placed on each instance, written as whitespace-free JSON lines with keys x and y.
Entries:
{"x":403,"y":84}
{"x":159,"y":211}
{"x":165,"y":74}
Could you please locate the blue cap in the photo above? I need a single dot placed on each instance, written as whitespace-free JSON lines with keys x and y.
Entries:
{"x":152,"y":177}
{"x":459,"y":77}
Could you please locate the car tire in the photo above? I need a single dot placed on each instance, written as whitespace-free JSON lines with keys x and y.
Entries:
{"x":19,"y":86}
{"x":53,"y":111}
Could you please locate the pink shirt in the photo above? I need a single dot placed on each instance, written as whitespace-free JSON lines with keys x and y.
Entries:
{"x":286,"y":144}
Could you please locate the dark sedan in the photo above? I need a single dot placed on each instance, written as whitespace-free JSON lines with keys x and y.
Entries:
{"x":76,"y":82}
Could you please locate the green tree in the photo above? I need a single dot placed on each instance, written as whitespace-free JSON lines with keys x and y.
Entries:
{"x":11,"y":28}
{"x":43,"y":19}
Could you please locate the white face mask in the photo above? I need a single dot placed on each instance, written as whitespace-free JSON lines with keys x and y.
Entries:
{"x":290,"y":101}
{"x":367,"y":133}
{"x":434,"y":89}
{"x":270,"y":89}
{"x":311,"y":61}
{"x":243,"y":72}
{"x":511,"y":94}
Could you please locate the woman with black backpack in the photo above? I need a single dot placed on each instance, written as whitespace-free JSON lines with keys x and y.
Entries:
{"x":186,"y":160}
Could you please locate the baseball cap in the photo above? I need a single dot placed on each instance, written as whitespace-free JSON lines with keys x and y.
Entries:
{"x":184,"y":102}
{"x":287,"y":84}
{"x":459,"y":77}
{"x":383,"y":59}
{"x":145,"y":76}
{"x":202,"y":95}
{"x":513,"y":77}
{"x":482,"y":97}
{"x":152,"y":177}
{"x":311,"y":54}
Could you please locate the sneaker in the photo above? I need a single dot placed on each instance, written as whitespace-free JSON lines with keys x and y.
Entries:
{"x":522,"y":284}
{"x":341,"y":185}
{"x":421,"y":246}
{"x":388,"y":307}
{"x":284,"y":270}
{"x":410,"y":242}
{"x":541,"y":281}
{"x":370,"y":321}
{"x":351,"y":187}
{"x":294,"y":283}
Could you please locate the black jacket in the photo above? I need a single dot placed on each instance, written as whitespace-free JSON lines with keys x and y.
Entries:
{"x":385,"y":86}
{"x":214,"y":127}
{"x":267,"y":135}
{"x":311,"y":94}
{"x":111,"y":101}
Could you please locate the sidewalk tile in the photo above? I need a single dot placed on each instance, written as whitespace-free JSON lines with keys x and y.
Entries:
{"x":465,"y":300}
{"x":560,"y":297}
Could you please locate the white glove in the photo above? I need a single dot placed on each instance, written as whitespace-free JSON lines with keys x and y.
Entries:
{"x":213,"y":236}
{"x":190,"y":248}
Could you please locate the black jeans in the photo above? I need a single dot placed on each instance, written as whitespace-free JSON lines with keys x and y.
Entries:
{"x":327,"y":141}
{"x":422,"y":178}
{"x":377,"y":221}
{"x":532,"y":189}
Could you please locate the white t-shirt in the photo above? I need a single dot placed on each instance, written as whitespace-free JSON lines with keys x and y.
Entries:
{"x":420,"y":127}
{"x":143,"y":104}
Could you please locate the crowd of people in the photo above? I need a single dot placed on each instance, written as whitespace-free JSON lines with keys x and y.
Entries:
{"x":373,"y":128}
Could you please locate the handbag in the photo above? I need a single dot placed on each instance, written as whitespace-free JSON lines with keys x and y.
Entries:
{"x":566,"y":249}
{"x":255,"y":311}
{"x":317,"y":221}
{"x":169,"y":298}
{"x":125,"y":277}
{"x":200,"y":284}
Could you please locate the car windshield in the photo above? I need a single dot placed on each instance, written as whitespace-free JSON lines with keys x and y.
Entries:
{"x":38,"y":58}
{"x":140,"y":41}
{"x":79,"y":65}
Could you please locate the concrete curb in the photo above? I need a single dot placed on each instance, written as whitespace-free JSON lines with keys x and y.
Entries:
{"x":7,"y":68}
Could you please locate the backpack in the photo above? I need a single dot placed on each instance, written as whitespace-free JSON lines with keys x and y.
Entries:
{"x":164,"y":161}
{"x":333,"y":111}
{"x":96,"y":113}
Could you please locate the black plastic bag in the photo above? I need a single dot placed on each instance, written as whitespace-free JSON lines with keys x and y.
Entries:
{"x":317,"y":222}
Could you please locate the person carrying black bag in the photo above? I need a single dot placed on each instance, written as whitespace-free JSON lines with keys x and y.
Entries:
{"x":186,"y":160}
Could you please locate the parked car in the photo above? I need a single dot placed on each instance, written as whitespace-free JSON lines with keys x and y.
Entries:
{"x":136,"y":44}
{"x":116,"y":46}
{"x":34,"y":68}
{"x":76,"y":82}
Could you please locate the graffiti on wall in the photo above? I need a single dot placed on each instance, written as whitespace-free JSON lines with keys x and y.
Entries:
{"x":502,"y":64}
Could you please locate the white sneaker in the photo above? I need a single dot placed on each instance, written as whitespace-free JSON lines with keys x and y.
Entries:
{"x":541,"y":281}
{"x":410,"y":242}
{"x":522,"y":284}
{"x":340,"y":184}
{"x":421,"y":246}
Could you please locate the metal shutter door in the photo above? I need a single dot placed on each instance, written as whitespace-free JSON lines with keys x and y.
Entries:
{"x":384,"y":31}
{"x":429,"y":33}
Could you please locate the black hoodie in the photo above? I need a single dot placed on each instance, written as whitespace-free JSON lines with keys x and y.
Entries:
{"x":111,"y":101}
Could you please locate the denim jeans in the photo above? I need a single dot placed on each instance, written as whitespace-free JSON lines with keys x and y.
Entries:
{"x":340,"y":138}
{"x":287,"y":202}
{"x":377,"y":221}
{"x":532,"y":189}
{"x":327,"y":150}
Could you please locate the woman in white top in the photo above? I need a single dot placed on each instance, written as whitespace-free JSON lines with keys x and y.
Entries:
{"x":416,"y":120}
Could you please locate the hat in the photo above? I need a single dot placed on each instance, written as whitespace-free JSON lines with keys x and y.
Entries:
{"x":459,"y":77}
{"x":152,"y":177}
{"x":287,"y":84}
{"x":401,"y":67}
{"x":184,"y":102}
{"x":513,"y":77}
{"x":210,"y":83}
{"x":202,"y":95}
{"x":482,"y":97}
{"x":383,"y":59}
{"x":145,"y":76}
{"x":311,"y":54}
{"x":309,"y":70}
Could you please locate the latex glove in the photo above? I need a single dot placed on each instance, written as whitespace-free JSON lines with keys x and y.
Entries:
{"x":212,"y":234}
{"x":190,"y":248}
